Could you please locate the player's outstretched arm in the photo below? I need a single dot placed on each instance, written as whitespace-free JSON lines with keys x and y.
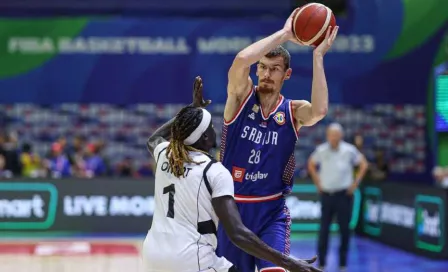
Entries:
{"x":308,"y":114}
{"x":230,"y":218}
{"x":239,"y":81}
{"x":163,"y":133}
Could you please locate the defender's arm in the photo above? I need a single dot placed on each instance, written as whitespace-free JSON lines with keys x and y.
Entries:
{"x":245,"y":239}
{"x":162,"y":134}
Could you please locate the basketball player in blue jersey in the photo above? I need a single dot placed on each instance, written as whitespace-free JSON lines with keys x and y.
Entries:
{"x":259,"y":135}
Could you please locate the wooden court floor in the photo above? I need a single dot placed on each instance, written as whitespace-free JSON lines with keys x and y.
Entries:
{"x":71,"y":256}
{"x":113,"y":255}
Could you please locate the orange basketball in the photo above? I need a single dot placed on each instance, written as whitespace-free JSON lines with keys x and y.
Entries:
{"x":310,"y":23}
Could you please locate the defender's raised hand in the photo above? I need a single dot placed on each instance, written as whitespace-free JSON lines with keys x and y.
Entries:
{"x":198,"y":99}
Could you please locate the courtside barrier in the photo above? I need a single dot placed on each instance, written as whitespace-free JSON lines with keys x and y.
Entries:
{"x":407,"y":216}
{"x":72,"y":206}
{"x":119,"y":206}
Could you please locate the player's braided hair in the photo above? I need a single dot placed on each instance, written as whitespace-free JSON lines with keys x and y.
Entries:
{"x":187,"y":120}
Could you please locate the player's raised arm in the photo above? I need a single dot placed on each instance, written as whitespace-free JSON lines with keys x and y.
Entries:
{"x":163,"y":133}
{"x":239,"y":71}
{"x":239,"y":81}
{"x":308,"y":114}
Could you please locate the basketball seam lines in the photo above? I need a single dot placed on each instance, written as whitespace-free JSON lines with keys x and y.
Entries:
{"x":295,"y":19}
{"x":309,"y":18}
{"x":324,"y":27}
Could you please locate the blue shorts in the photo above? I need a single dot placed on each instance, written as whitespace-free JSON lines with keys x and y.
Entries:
{"x":271,"y":222}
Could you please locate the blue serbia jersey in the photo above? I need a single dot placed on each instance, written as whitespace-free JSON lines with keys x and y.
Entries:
{"x":258,"y":148}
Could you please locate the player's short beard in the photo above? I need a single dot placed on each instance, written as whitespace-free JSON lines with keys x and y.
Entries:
{"x":265,"y":89}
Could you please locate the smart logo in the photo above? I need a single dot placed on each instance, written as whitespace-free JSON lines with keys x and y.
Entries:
{"x":372,"y":211}
{"x":429,"y":230}
{"x":27,"y":205}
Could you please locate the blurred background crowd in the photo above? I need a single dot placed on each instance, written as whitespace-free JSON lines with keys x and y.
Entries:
{"x":78,"y":158}
{"x":83,"y":94}
{"x":108,"y":140}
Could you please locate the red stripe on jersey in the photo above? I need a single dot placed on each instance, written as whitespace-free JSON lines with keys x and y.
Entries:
{"x":240,"y":109}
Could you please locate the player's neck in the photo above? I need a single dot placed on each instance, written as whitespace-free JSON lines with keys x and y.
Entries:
{"x":268,"y":101}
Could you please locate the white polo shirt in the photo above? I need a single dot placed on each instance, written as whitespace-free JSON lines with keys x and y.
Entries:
{"x":336,"y":165}
{"x":444,"y":182}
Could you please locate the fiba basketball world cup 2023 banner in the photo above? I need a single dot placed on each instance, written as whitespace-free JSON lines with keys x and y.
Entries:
{"x":124,"y":60}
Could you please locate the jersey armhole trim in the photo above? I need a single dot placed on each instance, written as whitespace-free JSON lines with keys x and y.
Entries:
{"x":293,"y":123}
{"x":158,"y":156}
{"x":240,"y":109}
{"x":204,"y":176}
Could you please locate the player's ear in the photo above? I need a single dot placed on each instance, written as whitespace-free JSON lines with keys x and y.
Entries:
{"x":288,"y":73}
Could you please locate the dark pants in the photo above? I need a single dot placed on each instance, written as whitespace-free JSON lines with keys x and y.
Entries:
{"x":339,"y":204}
{"x":233,"y":269}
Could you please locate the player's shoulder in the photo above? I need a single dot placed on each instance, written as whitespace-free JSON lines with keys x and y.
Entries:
{"x":348,"y":146}
{"x":160,"y":148}
{"x":296,"y":104}
{"x":217,"y":169}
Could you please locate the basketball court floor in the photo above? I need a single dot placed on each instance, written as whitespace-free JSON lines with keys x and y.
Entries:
{"x":117,"y":255}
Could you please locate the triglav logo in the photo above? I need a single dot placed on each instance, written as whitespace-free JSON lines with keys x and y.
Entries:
{"x":238,"y":173}
{"x":429,"y":224}
{"x":27,"y":205}
{"x":372,"y":211}
{"x":256,"y":176}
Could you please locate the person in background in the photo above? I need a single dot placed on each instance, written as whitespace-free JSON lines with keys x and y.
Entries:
{"x":336,"y":184}
{"x":101,"y":146}
{"x":94,"y":163}
{"x":4,"y":173}
{"x":8,"y":149}
{"x":58,"y":165}
{"x":441,"y":176}
{"x":31,"y":162}
{"x":63,"y":142}
{"x":378,"y":170}
{"x":358,"y":141}
{"x":76,"y":155}
{"x":147,"y":169}
{"x":125,"y":168}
